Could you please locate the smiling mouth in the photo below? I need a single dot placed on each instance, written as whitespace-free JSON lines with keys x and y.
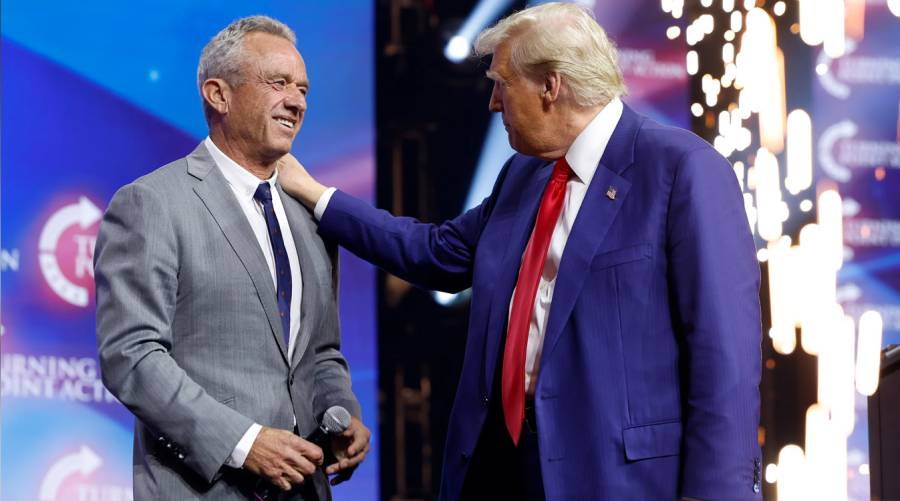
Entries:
{"x":289,"y":124}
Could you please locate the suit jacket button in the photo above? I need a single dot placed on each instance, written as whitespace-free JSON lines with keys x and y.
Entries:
{"x":484,"y":400}
{"x":756,"y":487}
{"x":465,"y":457}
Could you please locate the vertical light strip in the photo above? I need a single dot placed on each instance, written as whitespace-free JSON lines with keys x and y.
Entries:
{"x":760,"y":75}
{"x":736,"y":21}
{"x":818,"y":447}
{"x":728,"y":53}
{"x":812,"y":21}
{"x":843,"y":412}
{"x":739,"y":173}
{"x":831,"y":219}
{"x":834,"y":20}
{"x":812,"y":289}
{"x":799,"y":152}
{"x":868,"y":352}
{"x":772,"y":108}
{"x":748,"y":206}
{"x":791,"y":474}
{"x":827,"y":389}
{"x":782,"y":332}
{"x":768,"y":195}
{"x":838,"y":468}
{"x":756,"y":63}
{"x":724,"y":123}
{"x":692,"y":62}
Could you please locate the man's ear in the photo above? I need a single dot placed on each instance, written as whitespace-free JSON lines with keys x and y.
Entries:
{"x":551,"y":86}
{"x":217,"y":94}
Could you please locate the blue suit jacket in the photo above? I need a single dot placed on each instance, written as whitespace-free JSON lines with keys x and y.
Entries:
{"x":648,"y":383}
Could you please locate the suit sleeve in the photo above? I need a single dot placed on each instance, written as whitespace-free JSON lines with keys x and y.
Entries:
{"x":332,"y":386}
{"x":439,"y":257}
{"x":136,"y":271}
{"x":714,"y":279}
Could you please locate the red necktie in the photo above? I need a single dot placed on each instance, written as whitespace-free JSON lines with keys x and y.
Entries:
{"x":523,"y":300}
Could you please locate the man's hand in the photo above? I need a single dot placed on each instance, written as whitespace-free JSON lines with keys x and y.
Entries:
{"x":282,"y":458}
{"x":350,"y":448}
{"x":292,"y":176}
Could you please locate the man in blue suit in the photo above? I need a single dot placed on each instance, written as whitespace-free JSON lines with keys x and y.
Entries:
{"x":614,"y":336}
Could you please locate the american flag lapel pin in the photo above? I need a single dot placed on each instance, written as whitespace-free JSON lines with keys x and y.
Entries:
{"x":611,"y":193}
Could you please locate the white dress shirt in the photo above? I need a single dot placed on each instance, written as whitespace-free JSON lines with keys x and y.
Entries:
{"x":244,"y":184}
{"x":583,"y":157}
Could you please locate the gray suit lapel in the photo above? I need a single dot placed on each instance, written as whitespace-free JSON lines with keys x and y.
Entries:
{"x":213,"y":190}
{"x":303,"y":230}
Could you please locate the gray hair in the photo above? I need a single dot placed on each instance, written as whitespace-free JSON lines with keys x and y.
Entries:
{"x":223,"y":55}
{"x":564,"y":38}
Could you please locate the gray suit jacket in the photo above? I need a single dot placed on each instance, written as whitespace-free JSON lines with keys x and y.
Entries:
{"x":189,"y":333}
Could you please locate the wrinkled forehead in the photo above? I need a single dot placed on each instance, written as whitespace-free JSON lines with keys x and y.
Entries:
{"x":502,"y":66}
{"x":273,"y":55}
{"x":500,"y":57}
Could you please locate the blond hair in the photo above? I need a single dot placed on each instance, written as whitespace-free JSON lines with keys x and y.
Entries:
{"x":564,"y":38}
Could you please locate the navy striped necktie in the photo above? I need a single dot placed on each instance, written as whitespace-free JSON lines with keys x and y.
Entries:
{"x":282,"y":264}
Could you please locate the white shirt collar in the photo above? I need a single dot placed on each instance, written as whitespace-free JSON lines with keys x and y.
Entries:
{"x":587,"y":149}
{"x":238,"y":177}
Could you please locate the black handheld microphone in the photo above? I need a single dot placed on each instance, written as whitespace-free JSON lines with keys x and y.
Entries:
{"x":334,"y":422}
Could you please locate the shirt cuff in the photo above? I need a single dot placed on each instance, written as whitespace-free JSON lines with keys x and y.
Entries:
{"x":322,"y":204}
{"x":242,"y":449}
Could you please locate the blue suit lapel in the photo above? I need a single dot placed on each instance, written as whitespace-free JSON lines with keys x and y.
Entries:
{"x":514,"y":239}
{"x":596,"y":215}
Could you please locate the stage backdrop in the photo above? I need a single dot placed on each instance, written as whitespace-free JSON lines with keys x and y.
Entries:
{"x":856,"y":125}
{"x":95,"y":94}
{"x":652,"y":65}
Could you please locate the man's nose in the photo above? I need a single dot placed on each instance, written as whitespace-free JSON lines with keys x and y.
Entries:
{"x":495,"y":103}
{"x":295,"y":101}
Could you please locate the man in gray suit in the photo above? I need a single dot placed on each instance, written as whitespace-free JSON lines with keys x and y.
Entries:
{"x":217,"y":317}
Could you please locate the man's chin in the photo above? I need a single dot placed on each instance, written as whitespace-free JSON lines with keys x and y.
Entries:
{"x":284,"y":144}
{"x":275,"y":153}
{"x":520,"y":148}
{"x":529,"y":150}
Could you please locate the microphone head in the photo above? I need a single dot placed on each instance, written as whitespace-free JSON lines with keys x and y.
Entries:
{"x":336,"y":419}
